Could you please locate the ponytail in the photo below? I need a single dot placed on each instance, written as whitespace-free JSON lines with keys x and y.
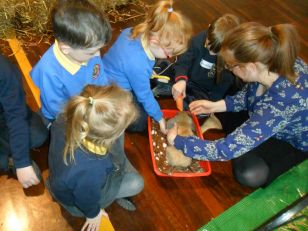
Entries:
{"x":76,"y":127}
{"x":99,"y":115}
{"x":286,"y":43}
{"x":172,"y":29}
{"x":276,"y":47}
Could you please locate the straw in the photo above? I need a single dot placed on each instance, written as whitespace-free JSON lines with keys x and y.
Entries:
{"x":29,"y":19}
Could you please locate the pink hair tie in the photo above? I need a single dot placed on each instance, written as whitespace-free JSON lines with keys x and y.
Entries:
{"x":170,"y":9}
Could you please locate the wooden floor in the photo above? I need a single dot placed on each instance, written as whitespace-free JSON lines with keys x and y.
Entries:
{"x":165,"y":204}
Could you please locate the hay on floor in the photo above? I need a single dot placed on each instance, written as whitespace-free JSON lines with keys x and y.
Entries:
{"x":29,"y":19}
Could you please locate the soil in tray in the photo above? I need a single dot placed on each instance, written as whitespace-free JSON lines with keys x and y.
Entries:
{"x":159,"y":147}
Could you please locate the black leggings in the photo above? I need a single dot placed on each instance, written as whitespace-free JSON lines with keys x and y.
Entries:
{"x":263,"y":164}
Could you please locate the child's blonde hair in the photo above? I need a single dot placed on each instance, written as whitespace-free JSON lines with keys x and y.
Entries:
{"x":99,"y":115}
{"x":172,"y":28}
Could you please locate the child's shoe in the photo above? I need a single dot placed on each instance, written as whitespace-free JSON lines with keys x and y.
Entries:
{"x":162,"y":90}
{"x":126,"y":203}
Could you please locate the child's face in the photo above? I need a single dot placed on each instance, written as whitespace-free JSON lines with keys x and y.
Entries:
{"x":159,"y":51}
{"x":79,"y":56}
{"x":163,"y":53}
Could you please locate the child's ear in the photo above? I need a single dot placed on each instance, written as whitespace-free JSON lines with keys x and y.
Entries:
{"x":64,"y":48}
{"x":251,"y":67}
{"x":153,"y":41}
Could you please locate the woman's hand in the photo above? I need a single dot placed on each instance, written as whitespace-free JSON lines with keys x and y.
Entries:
{"x":93,"y":224}
{"x":163,"y":126}
{"x":178,"y":89}
{"x":207,"y":107}
{"x":172,"y":133}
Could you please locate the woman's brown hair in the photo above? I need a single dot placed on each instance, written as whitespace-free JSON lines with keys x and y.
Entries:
{"x":276,"y":47}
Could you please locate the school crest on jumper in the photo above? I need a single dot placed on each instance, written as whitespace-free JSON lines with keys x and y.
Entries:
{"x":96,"y":71}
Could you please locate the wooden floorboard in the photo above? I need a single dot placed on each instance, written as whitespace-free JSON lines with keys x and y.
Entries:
{"x":165,"y":204}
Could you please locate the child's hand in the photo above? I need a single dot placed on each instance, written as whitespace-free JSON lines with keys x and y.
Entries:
{"x":172,"y":133}
{"x":26,"y":176}
{"x":93,"y":224}
{"x":179,"y":89}
{"x":163,"y":126}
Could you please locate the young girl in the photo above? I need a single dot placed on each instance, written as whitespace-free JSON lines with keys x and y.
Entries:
{"x":196,"y":73}
{"x":275,"y":136}
{"x":129,"y":62}
{"x":83,"y":177}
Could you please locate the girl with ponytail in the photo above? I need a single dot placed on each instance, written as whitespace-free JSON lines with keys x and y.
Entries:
{"x":164,"y":33}
{"x":84,"y":178}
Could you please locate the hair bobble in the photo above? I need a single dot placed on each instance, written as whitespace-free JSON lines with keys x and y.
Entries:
{"x":273,"y":34}
{"x":91,"y":100}
{"x":170,"y":9}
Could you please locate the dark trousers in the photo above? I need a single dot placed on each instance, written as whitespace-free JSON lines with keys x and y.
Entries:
{"x":231,"y":120}
{"x":141,"y":124}
{"x":263,"y":164}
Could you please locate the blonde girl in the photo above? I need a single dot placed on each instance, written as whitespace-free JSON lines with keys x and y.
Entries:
{"x":164,"y":33}
{"x":83,"y":177}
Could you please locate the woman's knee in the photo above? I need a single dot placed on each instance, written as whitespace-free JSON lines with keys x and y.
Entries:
{"x":250,"y":171}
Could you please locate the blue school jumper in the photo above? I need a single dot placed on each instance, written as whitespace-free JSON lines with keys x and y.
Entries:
{"x":59,"y":79}
{"x":128,"y":65}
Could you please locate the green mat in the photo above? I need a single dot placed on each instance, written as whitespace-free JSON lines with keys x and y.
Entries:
{"x":261,"y":205}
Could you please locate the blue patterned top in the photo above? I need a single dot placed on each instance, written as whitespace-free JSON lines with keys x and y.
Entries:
{"x":281,"y":112}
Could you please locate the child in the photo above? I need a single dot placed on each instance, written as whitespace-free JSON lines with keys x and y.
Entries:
{"x":196,"y":73}
{"x":74,"y":61}
{"x":129,"y":62}
{"x":84,"y":180}
{"x":274,"y":138}
{"x":20,"y":128}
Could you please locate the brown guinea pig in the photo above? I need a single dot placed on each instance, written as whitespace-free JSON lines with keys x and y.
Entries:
{"x":185,"y":126}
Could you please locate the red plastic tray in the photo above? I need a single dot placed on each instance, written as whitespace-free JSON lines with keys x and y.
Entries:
{"x":204,"y":164}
